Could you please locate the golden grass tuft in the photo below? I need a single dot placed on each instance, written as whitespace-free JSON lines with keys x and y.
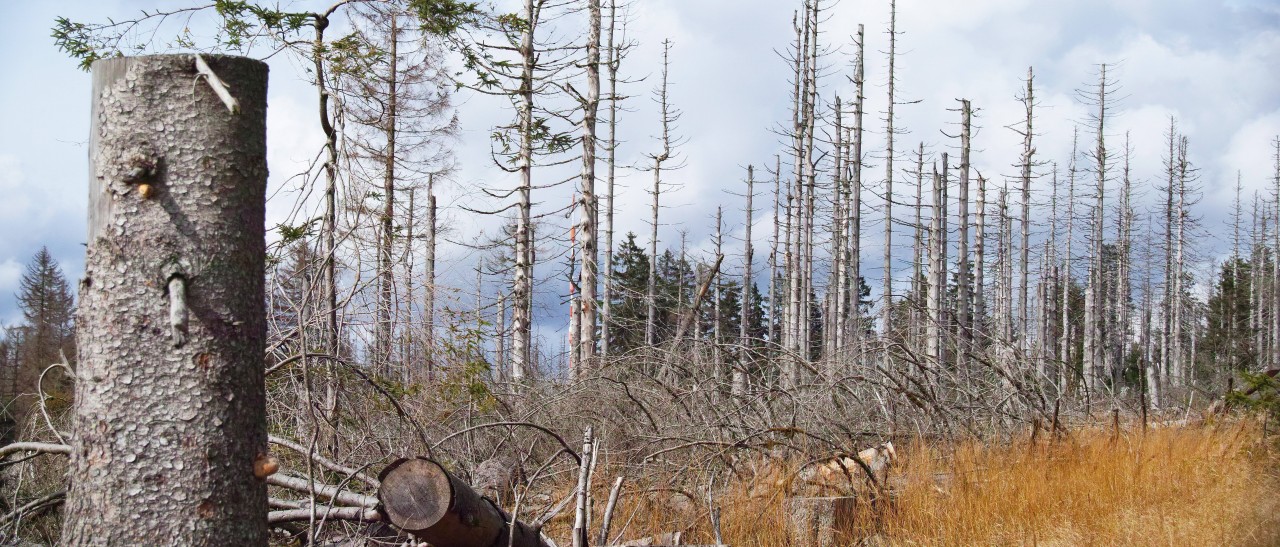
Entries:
{"x":1211,"y":485}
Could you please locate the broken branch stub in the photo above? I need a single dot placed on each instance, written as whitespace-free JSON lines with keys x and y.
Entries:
{"x":421,"y":497}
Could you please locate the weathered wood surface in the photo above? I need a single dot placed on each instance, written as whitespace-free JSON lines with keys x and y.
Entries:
{"x":170,"y":410}
{"x":820,"y":522}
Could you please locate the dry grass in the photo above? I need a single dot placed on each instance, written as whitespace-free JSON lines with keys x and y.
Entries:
{"x":1213,"y":485}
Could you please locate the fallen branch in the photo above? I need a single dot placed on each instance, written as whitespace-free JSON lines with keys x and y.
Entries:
{"x":325,"y":462}
{"x":43,"y":448}
{"x":363,"y":514}
{"x":332,"y":493}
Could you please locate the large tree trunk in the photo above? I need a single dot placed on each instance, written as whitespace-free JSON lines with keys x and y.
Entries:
{"x":170,"y":410}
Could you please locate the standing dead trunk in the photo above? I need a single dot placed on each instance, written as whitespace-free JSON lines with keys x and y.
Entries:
{"x":886,"y":307}
{"x":937,"y":276}
{"x":590,"y":218}
{"x":963,"y":291}
{"x":429,"y":300}
{"x":384,"y":327}
{"x":170,"y":411}
{"x":1028,"y":102}
{"x":611,"y":149}
{"x":855,"y":202}
{"x":739,"y":386}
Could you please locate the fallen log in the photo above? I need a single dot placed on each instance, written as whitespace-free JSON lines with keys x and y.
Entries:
{"x":420,"y":497}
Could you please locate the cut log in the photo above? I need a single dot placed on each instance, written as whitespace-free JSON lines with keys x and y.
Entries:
{"x":419,"y":496}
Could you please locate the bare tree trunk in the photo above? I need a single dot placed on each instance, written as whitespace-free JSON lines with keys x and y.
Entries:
{"x":329,"y":227}
{"x":855,"y":205}
{"x":739,"y":386}
{"x":590,"y":267}
{"x":1095,"y":322}
{"x":1167,"y":317}
{"x":979,"y":258}
{"x":716,"y":311}
{"x":937,"y":274}
{"x":384,"y":327}
{"x":1065,"y":357}
{"x":522,"y":288}
{"x":834,"y":315}
{"x":773,"y":255}
{"x":1178,"y":370}
{"x":963,"y":291}
{"x":1275,"y":268}
{"x":187,"y":252}
{"x":918,"y":252}
{"x":1120,"y":338}
{"x":650,"y":334}
{"x":887,"y":305}
{"x":606,"y":313}
{"x":1028,"y":102}
{"x":429,"y":303}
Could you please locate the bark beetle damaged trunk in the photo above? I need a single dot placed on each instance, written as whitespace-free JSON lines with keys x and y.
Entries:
{"x":169,"y":406}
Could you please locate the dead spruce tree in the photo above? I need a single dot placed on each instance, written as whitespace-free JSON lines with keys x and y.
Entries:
{"x":513,"y":60}
{"x":170,"y":414}
{"x":668,"y":117}
{"x":739,"y":386}
{"x":616,"y":47}
{"x":589,"y":228}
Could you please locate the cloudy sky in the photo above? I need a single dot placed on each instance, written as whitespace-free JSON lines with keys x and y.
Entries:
{"x":1211,"y":64}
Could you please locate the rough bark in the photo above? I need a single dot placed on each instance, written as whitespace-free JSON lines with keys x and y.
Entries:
{"x":170,"y":403}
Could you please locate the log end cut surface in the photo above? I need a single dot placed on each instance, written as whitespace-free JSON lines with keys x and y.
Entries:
{"x":415,"y":493}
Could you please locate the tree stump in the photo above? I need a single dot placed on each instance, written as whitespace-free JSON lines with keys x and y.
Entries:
{"x":170,"y":410}
{"x":820,"y":522}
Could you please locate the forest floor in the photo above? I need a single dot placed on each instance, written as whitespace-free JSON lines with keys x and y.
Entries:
{"x":1209,"y":484}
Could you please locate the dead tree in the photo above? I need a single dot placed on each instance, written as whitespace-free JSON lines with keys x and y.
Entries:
{"x":964,"y":288}
{"x":1026,"y":162}
{"x":937,"y":274}
{"x":669,"y":116}
{"x":590,"y":218}
{"x":886,"y":308}
{"x":170,"y":411}
{"x":739,"y":385}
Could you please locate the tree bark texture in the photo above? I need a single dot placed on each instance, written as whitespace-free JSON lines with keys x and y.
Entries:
{"x":170,"y":402}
